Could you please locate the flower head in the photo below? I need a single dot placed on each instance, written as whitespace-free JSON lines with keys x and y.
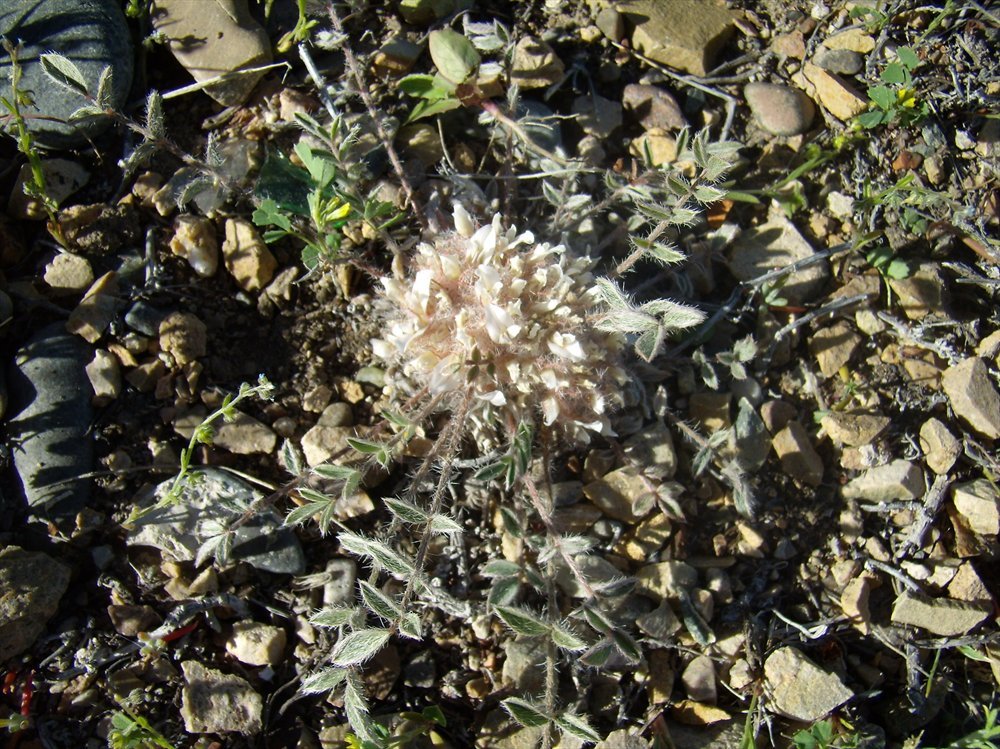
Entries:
{"x":491,"y":313}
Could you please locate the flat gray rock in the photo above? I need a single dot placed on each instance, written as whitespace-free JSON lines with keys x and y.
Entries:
{"x":32,"y":584}
{"x":219,"y":496}
{"x":51,"y":415}
{"x":799,"y":688}
{"x":92,"y":34}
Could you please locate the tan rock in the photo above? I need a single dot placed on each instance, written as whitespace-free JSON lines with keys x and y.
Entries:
{"x":246,"y":255}
{"x":105,"y":377}
{"x":940,"y":616}
{"x":256,"y":644}
{"x":622,"y":494}
{"x":69,"y":274}
{"x":833,"y":347}
{"x":214,"y":702}
{"x":63,"y":177}
{"x":666,"y":579}
{"x":183,"y":336}
{"x":855,"y":40}
{"x":535,"y":64}
{"x":940,"y":447}
{"x":979,"y":503}
{"x":798,"y":457}
{"x":711,"y":410}
{"x":683,"y":34}
{"x":835,"y":95}
{"x":854,"y":601}
{"x":973,"y":395}
{"x":921,"y":293}
{"x":967,"y":585}
{"x":799,"y":688}
{"x":656,"y":146}
{"x":96,"y":310}
{"x":194,"y":240}
{"x":854,"y":429}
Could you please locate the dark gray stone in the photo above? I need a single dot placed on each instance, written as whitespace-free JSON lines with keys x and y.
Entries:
{"x":215,"y":495}
{"x":51,"y":413}
{"x":842,"y":61}
{"x":144,"y":318}
{"x":91,"y":33}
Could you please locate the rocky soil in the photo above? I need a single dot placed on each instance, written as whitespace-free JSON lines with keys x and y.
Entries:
{"x":803,"y":491}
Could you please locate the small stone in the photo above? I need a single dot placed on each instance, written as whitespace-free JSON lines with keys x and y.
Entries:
{"x":940,"y":447}
{"x":105,"y":377}
{"x":842,"y":61}
{"x":256,"y":644}
{"x":898,"y":480}
{"x":833,"y":347}
{"x":321,"y":442}
{"x":535,"y":64}
{"x":660,"y":685}
{"x":661,"y":623}
{"x":32,"y":585}
{"x":622,"y":494}
{"x":799,"y":688}
{"x":623,"y":738}
{"x":792,"y":44}
{"x":145,"y":376}
{"x":854,"y":602}
{"x":666,"y":579}
{"x":611,"y":23}
{"x":921,"y":293}
{"x":421,"y":141}
{"x":778,"y":244}
{"x":596,"y":115}
{"x":69,"y":274}
{"x":595,"y":568}
{"x":654,"y":107}
{"x":699,"y":680}
{"x":683,"y":34}
{"x":711,"y":410}
{"x":776,"y":414}
{"x":973,"y":395}
{"x":653,"y":450}
{"x":855,"y":40}
{"x":396,"y":57}
{"x":244,"y":435}
{"x":657,"y":145}
{"x":842,"y":206}
{"x":939,"y":616}
{"x":183,"y":336}
{"x":785,"y":549}
{"x":798,"y":457}
{"x":62,"y":178}
{"x":854,"y":429}
{"x":979,"y":503}
{"x":751,"y":543}
{"x":96,"y":310}
{"x":837,"y":97}
{"x":194,"y":240}
{"x":989,"y":347}
{"x":522,"y":667}
{"x":214,"y":702}
{"x":646,"y":538}
{"x":968,"y":586}
{"x":780,"y":110}
{"x":246,"y":255}
{"x":337,"y":414}
{"x":131,"y":620}
{"x":215,"y":39}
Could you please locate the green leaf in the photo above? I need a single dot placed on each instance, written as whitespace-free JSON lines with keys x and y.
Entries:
{"x":908,"y":58}
{"x":598,"y":655}
{"x":523,"y":622}
{"x":526,"y":713}
{"x":333,"y":616}
{"x":625,"y":645}
{"x":426,"y":108}
{"x":454,"y":55}
{"x":443,"y":524}
{"x":504,"y":591}
{"x":894,"y":73}
{"x":405,"y":511}
{"x":324,"y":681}
{"x":268,"y":213}
{"x":883,"y":96}
{"x":379,"y":603}
{"x":429,"y":87}
{"x":648,"y":345}
{"x":566,"y":639}
{"x":409,"y":626}
{"x":500,"y":568}
{"x":64,"y":71}
{"x":359,"y":646}
{"x":155,"y":119}
{"x":897,"y":269}
{"x":336,"y":473}
{"x":577,"y":727}
{"x":873,"y":119}
{"x":378,"y":552}
{"x":491,"y":472}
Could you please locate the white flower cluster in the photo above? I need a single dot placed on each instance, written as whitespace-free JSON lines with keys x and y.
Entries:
{"x":493,"y":312}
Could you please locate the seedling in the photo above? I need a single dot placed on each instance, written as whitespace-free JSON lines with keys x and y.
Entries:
{"x":895,"y":100}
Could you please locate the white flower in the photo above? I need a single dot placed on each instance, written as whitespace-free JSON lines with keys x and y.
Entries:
{"x":489,"y":313}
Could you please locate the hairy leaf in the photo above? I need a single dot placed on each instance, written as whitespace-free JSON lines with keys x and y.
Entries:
{"x":359,"y":646}
{"x":323,"y":681}
{"x":526,"y":713}
{"x":334,"y":616}
{"x":378,"y":552}
{"x":577,"y":726}
{"x":405,"y":511}
{"x":64,"y":71}
{"x":522,"y":621}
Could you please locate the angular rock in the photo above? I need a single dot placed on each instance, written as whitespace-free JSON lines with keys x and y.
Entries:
{"x":93,"y":35}
{"x":535,"y":64}
{"x":666,"y":579}
{"x":256,"y":644}
{"x":654,"y":107}
{"x":854,"y":430}
{"x":246,"y":255}
{"x":596,"y":115}
{"x":215,"y":39}
{"x":214,"y":702}
{"x":939,"y":616}
{"x":777,"y":244}
{"x":523,"y":666}
{"x":105,"y":377}
{"x":96,"y":310}
{"x":395,"y":58}
{"x":183,"y":336}
{"x":799,"y":688}
{"x":780,"y":110}
{"x":940,"y":447}
{"x":698,"y":679}
{"x":659,"y":146}
{"x":130,"y":620}
{"x":321,"y":442}
{"x":855,"y":40}
{"x":838,"y":98}
{"x":69,"y":274}
{"x":32,"y":584}
{"x":683,"y":34}
{"x":973,"y":396}
{"x":979,"y":503}
{"x":921,"y":293}
{"x":833,"y":347}
{"x":623,"y":739}
{"x":798,"y":457}
{"x":50,"y":420}
{"x":842,"y":61}
{"x":263,"y":542}
{"x":661,"y":623}
{"x":898,"y":480}
{"x":967,"y":585}
{"x":194,"y":240}
{"x":622,"y":494}
{"x":854,"y":601}
{"x":341,"y":574}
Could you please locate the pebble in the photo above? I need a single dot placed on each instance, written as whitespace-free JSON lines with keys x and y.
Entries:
{"x":777,"y":244}
{"x":50,"y":421}
{"x":246,"y":255}
{"x":595,"y":568}
{"x":698,"y":679}
{"x":522,"y":666}
{"x":653,"y":450}
{"x":854,"y":429}
{"x":321,"y":442}
{"x":921,"y":293}
{"x":838,"y":98}
{"x":263,"y":543}
{"x":776,"y":415}
{"x":654,"y":147}
{"x":898,"y":480}
{"x":666,"y":579}
{"x":833,"y":347}
{"x":855,"y":40}
{"x":647,"y":538}
{"x":130,"y":620}
{"x":96,"y":310}
{"x":654,"y":107}
{"x":244,"y":435}
{"x":341,"y":574}
{"x":396,"y":57}
{"x":798,"y":457}
{"x":979,"y":503}
{"x":939,"y":616}
{"x":535,"y":64}
{"x":212,"y":39}
{"x":63,"y":177}
{"x":973,"y":396}
{"x":596,"y":115}
{"x":611,"y":23}
{"x":622,"y":494}
{"x":661,"y":623}
{"x":32,"y":585}
{"x":421,"y":141}
{"x":842,"y":61}
{"x":194,"y":240}
{"x":799,"y":688}
{"x":183,"y":336}
{"x":792,"y":44}
{"x":968,"y":586}
{"x":940,"y":447}
{"x":145,"y":376}
{"x":623,"y":738}
{"x":144,"y":318}
{"x":854,"y":601}
{"x":67,"y":273}
{"x":780,"y":110}
{"x":96,"y":38}
{"x":682,"y":34}
{"x":256,"y":644}
{"x":214,"y":702}
{"x":105,"y":375}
